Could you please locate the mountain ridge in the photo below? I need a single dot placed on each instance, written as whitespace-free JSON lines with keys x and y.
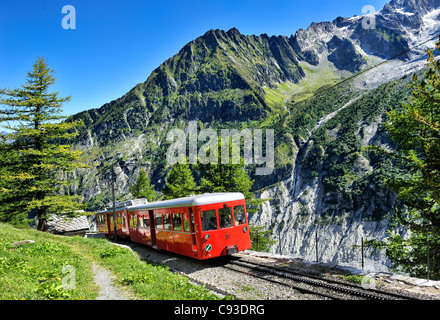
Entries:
{"x":284,"y":55}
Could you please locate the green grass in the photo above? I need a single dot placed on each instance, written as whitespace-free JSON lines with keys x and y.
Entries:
{"x":34,"y":271}
{"x":316,"y":78}
{"x":354,"y":278}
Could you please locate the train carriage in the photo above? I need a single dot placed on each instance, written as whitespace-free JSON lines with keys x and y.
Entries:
{"x":203,"y":226}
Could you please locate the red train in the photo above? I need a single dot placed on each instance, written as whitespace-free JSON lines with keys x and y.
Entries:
{"x":203,"y":226}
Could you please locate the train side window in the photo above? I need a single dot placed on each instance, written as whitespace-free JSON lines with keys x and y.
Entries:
{"x":185,"y":222}
{"x":177,"y":222}
{"x":191,"y":218}
{"x":166,"y":221}
{"x":140,"y":221}
{"x":158,"y":218}
{"x":146,"y":220}
{"x":209,"y":220}
{"x":239,"y":215}
{"x":225,"y":217}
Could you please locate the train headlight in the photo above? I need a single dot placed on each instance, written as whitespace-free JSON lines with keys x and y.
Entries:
{"x":208,"y":247}
{"x":244,"y":229}
{"x":206,"y":236}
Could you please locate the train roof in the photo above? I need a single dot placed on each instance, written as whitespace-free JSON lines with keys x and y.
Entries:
{"x":198,"y":200}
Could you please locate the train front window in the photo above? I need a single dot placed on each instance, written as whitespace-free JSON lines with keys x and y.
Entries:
{"x":209,"y":220}
{"x":239,"y":215}
{"x":225,"y":217}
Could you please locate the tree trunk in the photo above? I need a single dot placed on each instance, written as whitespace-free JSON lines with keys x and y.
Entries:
{"x":42,"y":220}
{"x":42,"y":225}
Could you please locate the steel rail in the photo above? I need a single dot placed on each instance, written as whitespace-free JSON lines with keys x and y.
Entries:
{"x":347,"y":288}
{"x":292,"y":286}
{"x":396,"y":295}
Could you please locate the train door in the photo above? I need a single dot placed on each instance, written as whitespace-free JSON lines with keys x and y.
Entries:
{"x":110,"y":223}
{"x":182,"y":238}
{"x":152,"y":228}
{"x":161,"y":234}
{"x":101,"y":223}
{"x":124,"y":223}
{"x":192,"y":230}
{"x":133,"y":226}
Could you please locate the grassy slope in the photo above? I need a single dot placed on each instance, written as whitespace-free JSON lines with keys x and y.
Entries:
{"x":34,"y":271}
{"x":316,"y":77}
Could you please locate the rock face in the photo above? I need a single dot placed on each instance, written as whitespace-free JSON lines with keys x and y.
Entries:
{"x":324,"y":182}
{"x":344,"y":55}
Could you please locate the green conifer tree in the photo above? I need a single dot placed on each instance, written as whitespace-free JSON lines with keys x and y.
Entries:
{"x":143,"y":187}
{"x":415,"y":128}
{"x":33,"y":162}
{"x":180,"y":182}
{"x":227,"y":176}
{"x":260,"y":239}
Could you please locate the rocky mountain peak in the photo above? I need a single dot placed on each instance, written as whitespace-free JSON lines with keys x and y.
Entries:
{"x":198,"y":80}
{"x":412,"y":6}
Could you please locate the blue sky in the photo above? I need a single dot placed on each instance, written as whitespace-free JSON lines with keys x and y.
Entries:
{"x":117,"y":43}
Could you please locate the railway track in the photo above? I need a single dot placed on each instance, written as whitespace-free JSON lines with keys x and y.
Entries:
{"x":249,"y":279}
{"x":312,"y":285}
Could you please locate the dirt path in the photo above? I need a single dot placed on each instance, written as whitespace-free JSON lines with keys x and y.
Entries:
{"x":108,"y":291}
